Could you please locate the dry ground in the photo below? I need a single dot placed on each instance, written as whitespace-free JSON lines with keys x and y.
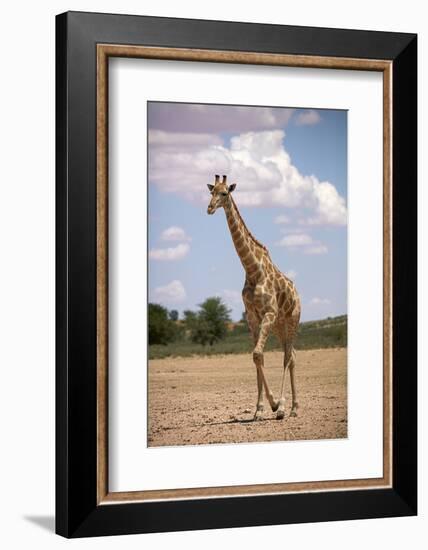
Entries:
{"x":200,"y":400}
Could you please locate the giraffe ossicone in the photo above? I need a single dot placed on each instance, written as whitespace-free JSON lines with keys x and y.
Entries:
{"x":271,"y":301}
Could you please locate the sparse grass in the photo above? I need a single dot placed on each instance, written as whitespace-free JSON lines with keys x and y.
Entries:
{"x":326,"y":333}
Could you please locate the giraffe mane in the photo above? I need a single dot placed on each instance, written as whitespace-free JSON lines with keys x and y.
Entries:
{"x":252,"y":237}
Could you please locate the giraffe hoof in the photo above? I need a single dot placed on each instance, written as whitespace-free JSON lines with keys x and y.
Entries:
{"x":279,"y":405}
{"x":294,"y":409}
{"x":280,"y":414}
{"x":258,"y":415}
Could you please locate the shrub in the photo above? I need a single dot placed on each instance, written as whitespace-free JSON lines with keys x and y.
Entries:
{"x":161,"y":329}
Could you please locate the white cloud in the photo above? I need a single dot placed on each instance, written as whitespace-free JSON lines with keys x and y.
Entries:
{"x":295,"y":239}
{"x":307,"y":118}
{"x":171,"y":293}
{"x":304,"y":242}
{"x":328,"y":211}
{"x":174,"y":233}
{"x":262,"y":169}
{"x":316,"y":249}
{"x":169,"y":254}
{"x":319,"y":301}
{"x":289,"y":230}
{"x":291,"y":274}
{"x":282,"y":219}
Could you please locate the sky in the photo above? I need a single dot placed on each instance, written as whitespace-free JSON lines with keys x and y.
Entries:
{"x":290,"y":170}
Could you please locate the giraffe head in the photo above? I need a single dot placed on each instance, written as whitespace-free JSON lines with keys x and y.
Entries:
{"x":219,"y":194}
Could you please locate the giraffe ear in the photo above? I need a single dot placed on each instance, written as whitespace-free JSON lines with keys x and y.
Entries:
{"x":232,"y":187}
{"x":210,"y":187}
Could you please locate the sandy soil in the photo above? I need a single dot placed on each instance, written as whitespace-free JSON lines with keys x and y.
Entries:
{"x":201,"y":400}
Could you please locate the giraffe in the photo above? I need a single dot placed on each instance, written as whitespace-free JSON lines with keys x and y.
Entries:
{"x":270,"y":298}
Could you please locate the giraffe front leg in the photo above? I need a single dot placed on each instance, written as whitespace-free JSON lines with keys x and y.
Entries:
{"x":253,"y":325}
{"x":258,"y":415}
{"x":266,"y":324}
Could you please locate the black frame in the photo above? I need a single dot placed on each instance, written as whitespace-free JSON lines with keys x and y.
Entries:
{"x":77,"y":513}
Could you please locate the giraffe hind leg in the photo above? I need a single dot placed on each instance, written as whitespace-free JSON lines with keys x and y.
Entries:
{"x":289,"y":355}
{"x":292,"y":365}
{"x":294,"y":404}
{"x":289,"y":364}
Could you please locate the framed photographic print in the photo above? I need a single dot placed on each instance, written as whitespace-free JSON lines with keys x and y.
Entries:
{"x":236,"y":274}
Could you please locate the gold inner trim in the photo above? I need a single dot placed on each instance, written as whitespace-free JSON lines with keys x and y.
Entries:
{"x":104,"y":51}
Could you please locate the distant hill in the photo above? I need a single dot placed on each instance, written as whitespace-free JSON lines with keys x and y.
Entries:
{"x":326,"y":333}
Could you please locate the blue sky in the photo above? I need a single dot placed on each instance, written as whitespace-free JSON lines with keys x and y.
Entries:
{"x":290,"y":167}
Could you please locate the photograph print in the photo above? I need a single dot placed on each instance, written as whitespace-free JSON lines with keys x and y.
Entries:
{"x":247,"y":274}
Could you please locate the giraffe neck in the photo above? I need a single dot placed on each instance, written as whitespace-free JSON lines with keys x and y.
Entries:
{"x":245,"y":243}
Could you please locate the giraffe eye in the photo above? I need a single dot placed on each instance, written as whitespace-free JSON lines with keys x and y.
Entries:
{"x":224,"y":194}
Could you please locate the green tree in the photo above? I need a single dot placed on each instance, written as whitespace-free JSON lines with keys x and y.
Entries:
{"x":173,"y":315}
{"x":190,"y":318}
{"x":161,"y":329}
{"x":209,"y":325}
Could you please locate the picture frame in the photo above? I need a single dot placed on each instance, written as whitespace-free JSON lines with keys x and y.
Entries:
{"x":84,"y":44}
